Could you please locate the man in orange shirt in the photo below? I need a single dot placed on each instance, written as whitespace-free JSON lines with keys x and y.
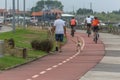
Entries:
{"x":73,"y":23}
{"x":95,"y":25}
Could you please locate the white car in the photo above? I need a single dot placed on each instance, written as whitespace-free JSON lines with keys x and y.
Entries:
{"x":102,"y":24}
{"x":1,"y":21}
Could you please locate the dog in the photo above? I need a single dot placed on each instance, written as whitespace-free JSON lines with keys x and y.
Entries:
{"x":78,"y":43}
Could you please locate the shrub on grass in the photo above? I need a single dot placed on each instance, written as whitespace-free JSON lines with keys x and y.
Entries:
{"x":44,"y":45}
{"x":35,"y":44}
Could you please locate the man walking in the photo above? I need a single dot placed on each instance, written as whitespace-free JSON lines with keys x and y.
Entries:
{"x":59,"y":29}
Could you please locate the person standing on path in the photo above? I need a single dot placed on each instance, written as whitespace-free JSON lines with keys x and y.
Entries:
{"x":60,"y":30}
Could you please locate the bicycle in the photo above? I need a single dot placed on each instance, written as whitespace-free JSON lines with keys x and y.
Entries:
{"x":96,"y":36}
{"x":72,"y":32}
{"x":89,"y":32}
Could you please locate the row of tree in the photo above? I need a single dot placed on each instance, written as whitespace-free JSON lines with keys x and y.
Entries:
{"x":54,"y":4}
{"x":47,"y":5}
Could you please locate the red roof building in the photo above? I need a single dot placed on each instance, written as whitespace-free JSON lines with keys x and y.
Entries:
{"x":40,"y":13}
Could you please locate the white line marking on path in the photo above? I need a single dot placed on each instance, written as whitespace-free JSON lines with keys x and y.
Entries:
{"x":43,"y":72}
{"x":28,"y":79}
{"x":83,"y":43}
{"x":35,"y":76}
{"x":48,"y":69}
{"x":60,"y":63}
{"x":55,"y":66}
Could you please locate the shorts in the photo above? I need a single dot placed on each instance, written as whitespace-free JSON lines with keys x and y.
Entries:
{"x":88,"y":25}
{"x":73,"y":28}
{"x":59,"y":37}
{"x":95,"y":29}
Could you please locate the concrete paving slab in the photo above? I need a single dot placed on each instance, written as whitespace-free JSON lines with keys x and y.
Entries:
{"x":108,"y":68}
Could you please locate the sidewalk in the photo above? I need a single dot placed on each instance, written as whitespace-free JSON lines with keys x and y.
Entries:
{"x":5,"y":29}
{"x":109,"y":67}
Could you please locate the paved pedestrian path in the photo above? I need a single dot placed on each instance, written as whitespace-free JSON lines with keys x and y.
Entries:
{"x":5,"y":29}
{"x":68,"y":65}
{"x":109,"y":67}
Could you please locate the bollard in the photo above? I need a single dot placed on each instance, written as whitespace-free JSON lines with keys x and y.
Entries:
{"x":1,"y":48}
{"x":24,"y":53}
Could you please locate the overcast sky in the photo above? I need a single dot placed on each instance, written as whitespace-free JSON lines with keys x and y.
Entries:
{"x":69,"y":5}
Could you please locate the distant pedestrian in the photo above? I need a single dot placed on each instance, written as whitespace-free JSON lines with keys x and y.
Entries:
{"x":60,"y":30}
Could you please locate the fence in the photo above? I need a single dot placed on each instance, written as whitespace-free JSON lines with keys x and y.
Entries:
{"x":105,"y":29}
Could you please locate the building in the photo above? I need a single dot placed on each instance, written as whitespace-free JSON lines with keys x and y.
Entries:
{"x":3,"y":12}
{"x":47,"y":14}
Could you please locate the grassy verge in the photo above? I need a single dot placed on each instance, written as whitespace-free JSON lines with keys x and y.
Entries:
{"x":22,"y":39}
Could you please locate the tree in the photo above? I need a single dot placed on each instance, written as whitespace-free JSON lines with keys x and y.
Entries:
{"x":116,"y":12}
{"x":49,"y":4}
{"x":84,"y":11}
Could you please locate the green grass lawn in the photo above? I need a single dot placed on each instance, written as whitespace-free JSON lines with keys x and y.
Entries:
{"x":22,"y":39}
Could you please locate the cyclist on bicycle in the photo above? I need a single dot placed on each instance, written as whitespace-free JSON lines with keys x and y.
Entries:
{"x":88,"y":22}
{"x":95,"y":25}
{"x":73,"y":23}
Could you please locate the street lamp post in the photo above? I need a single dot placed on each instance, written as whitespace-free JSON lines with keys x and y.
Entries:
{"x":18,"y":11}
{"x":13,"y":21}
{"x":24,"y":13}
{"x":5,"y":11}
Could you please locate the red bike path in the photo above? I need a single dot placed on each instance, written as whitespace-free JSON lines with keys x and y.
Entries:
{"x":67,"y":65}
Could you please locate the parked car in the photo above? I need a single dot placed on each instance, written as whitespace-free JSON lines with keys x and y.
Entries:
{"x":1,"y":21}
{"x":117,"y":25}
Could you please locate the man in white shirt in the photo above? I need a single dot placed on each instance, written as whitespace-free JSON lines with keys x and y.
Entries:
{"x":88,"y":22}
{"x":60,"y":30}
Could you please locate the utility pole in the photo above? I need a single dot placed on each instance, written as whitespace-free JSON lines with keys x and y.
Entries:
{"x":18,"y":11}
{"x":73,"y":10}
{"x":5,"y":11}
{"x":91,"y":7}
{"x":24,"y":22}
{"x":13,"y":12}
{"x":44,"y":12}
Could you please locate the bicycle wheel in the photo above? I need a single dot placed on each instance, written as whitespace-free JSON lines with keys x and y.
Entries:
{"x":72,"y":33}
{"x":89,"y":32}
{"x":96,"y":37}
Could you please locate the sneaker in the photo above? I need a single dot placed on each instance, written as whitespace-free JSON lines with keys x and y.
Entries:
{"x":56,"y":49}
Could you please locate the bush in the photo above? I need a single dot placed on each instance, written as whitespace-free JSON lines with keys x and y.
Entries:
{"x":44,"y":45}
{"x":11,"y":42}
{"x":35,"y":44}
